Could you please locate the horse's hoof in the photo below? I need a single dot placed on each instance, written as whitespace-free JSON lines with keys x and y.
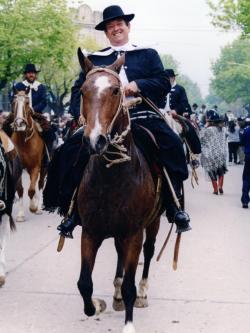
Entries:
{"x":118,"y":304}
{"x":128,"y":328}
{"x":33,"y":209}
{"x":20,"y":218}
{"x":141,"y":302}
{"x":2,"y":281}
{"x":100,"y":305}
{"x":39,"y":212}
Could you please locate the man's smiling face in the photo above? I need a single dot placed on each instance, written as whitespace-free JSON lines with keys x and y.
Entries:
{"x":117,"y":32}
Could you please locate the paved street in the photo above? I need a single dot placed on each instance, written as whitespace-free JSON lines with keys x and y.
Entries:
{"x":209,"y":292}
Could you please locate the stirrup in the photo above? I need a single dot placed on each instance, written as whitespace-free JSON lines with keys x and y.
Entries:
{"x":182,"y":219}
{"x":2,"y":205}
{"x":65,"y":227}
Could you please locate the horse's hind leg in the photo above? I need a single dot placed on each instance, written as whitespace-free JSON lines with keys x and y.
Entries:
{"x":118,"y":304}
{"x":32,"y":190}
{"x":148,"y":250}
{"x":4,"y":236}
{"x":19,"y":188}
{"x":89,"y":247}
{"x":42,"y":176}
{"x":131,"y":251}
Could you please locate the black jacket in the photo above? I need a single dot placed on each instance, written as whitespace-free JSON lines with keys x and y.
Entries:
{"x":143,"y":66}
{"x":178,"y":100}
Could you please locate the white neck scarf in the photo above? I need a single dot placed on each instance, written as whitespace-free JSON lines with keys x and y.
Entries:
{"x":126,"y":47}
{"x":33,"y":86}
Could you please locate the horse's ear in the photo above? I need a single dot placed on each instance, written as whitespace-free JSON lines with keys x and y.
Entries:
{"x":117,"y":65}
{"x":85,"y":63}
{"x":27,"y":90}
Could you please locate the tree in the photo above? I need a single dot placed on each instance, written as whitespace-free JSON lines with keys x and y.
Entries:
{"x":38,"y":31}
{"x":59,"y":82}
{"x":232,"y":72}
{"x":231,"y":14}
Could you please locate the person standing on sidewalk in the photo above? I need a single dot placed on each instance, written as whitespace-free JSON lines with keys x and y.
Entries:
{"x":214,"y":150}
{"x":245,"y":141}
{"x":233,"y":139}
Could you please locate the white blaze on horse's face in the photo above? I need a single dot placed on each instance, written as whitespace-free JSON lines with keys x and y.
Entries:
{"x":101,"y":83}
{"x":95,"y":132}
{"x":19,"y":122}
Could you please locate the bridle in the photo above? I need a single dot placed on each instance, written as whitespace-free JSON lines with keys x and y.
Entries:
{"x":120,"y":154}
{"x":29,"y":130}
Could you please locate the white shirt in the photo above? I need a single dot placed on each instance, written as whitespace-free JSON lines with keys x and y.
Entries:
{"x":126,"y":47}
{"x":167,"y":106}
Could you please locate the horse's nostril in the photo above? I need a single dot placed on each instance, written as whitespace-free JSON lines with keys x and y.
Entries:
{"x":100,"y":143}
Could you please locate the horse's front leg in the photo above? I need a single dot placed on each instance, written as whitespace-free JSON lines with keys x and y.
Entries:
{"x":118,"y":304}
{"x":131,"y":251}
{"x":34,"y":199}
{"x":148,"y":250}
{"x":89,"y":247}
{"x":4,"y":236}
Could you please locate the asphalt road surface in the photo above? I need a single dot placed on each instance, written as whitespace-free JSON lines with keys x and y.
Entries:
{"x":209,"y":292}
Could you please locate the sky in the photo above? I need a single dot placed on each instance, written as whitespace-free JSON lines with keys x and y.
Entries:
{"x":181,"y":28}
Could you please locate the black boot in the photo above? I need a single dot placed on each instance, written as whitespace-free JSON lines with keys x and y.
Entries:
{"x":179,"y":217}
{"x":174,"y":214}
{"x":67,"y":226}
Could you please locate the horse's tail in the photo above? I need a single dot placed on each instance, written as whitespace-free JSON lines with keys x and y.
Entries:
{"x":12,"y":223}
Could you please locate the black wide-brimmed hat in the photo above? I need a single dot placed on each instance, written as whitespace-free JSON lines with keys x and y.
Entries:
{"x":30,"y":68}
{"x":213,"y":116}
{"x":170,"y":72}
{"x":112,"y":13}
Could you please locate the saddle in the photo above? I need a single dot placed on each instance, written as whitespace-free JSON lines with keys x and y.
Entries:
{"x":145,"y":141}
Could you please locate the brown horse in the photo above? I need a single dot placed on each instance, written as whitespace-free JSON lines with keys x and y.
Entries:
{"x":117,"y":192}
{"x":31,"y":150}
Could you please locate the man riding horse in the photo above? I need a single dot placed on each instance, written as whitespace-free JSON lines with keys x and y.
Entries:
{"x":38,"y":102}
{"x":142,"y":73}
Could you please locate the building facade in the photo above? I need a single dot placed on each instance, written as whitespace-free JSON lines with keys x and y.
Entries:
{"x":86,"y":19}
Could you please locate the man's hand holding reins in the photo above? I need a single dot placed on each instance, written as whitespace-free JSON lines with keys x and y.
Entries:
{"x":131,"y":89}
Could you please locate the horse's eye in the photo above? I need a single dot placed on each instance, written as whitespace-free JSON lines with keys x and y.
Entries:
{"x":116,"y":91}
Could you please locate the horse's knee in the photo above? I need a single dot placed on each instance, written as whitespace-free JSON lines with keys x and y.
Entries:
{"x":20,"y":190}
{"x":41,"y":184}
{"x":148,"y":249}
{"x":31,"y":193}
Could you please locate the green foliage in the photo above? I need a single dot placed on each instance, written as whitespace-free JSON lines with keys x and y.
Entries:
{"x":192,"y":89}
{"x":232,"y":72}
{"x":169,"y":62}
{"x":89,"y":44}
{"x":231,"y":14}
{"x":37,"y":31}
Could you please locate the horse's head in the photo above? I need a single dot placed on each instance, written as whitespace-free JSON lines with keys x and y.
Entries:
{"x":22,"y":110}
{"x":101,"y":101}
